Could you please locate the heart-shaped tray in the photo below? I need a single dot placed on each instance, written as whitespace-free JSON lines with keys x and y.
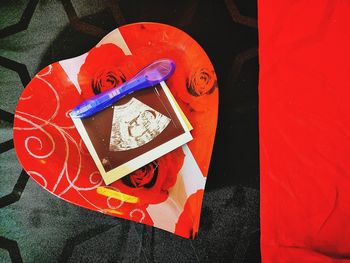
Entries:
{"x":168,"y":192}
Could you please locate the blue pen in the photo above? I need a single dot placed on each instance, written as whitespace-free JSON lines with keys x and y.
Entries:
{"x":151,"y":75}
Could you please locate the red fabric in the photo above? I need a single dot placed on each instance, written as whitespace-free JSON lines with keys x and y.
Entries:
{"x":304,"y":104}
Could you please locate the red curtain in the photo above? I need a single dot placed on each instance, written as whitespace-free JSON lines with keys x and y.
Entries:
{"x":304,"y":105}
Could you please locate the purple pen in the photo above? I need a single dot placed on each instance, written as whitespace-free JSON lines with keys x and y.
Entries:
{"x":151,"y":75}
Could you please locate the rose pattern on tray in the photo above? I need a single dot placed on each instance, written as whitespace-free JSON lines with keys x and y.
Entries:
{"x":162,"y":175}
{"x":104,"y":68}
{"x":201,"y":81}
{"x":53,"y":154}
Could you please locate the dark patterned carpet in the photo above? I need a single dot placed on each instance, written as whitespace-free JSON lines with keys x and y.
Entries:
{"x":35,"y":226}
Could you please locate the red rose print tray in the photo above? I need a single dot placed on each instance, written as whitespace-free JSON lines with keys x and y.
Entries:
{"x":166,"y":193}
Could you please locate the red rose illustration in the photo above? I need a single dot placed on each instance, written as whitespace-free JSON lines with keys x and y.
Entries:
{"x":151,"y":183}
{"x":197,"y":88}
{"x":106,"y":79}
{"x":144,"y":177}
{"x":105,"y":67}
{"x":188,"y":222}
{"x":201,"y":81}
